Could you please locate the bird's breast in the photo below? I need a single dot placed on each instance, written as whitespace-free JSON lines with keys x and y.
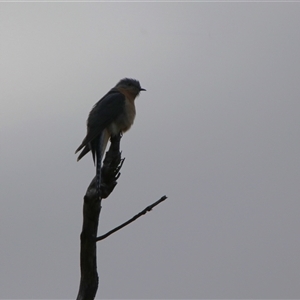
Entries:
{"x":125,"y":119}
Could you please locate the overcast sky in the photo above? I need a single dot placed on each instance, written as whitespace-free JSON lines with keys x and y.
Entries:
{"x":217,"y":131}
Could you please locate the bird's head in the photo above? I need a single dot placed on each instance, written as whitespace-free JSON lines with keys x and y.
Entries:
{"x":131,"y":85}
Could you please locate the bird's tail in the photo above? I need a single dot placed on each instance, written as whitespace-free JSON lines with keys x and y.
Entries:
{"x":99,"y":154}
{"x":85,"y":150}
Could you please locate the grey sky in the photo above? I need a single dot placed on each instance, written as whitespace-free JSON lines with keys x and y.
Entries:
{"x":217,"y":131}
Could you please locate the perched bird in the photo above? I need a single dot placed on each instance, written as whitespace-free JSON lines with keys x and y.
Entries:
{"x":114,"y":113}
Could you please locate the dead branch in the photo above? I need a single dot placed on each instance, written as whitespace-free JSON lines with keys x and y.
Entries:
{"x":110,"y":172}
{"x":143,"y":212}
{"x":91,"y":212}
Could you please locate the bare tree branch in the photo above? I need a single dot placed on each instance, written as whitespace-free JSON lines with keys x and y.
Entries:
{"x":110,"y":172}
{"x":91,"y":212}
{"x":143,"y":212}
{"x":88,"y":258}
{"x":112,"y":164}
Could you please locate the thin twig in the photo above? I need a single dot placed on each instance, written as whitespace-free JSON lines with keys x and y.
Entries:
{"x":143,"y":212}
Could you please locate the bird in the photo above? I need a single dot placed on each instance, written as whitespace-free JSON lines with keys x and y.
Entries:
{"x":113,"y":114}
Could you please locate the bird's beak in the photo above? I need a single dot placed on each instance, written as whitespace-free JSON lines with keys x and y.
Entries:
{"x":141,"y":89}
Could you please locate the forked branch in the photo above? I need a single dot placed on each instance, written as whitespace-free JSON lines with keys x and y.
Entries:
{"x":110,"y":172}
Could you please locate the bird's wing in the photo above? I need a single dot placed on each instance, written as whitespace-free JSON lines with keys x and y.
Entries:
{"x":105,"y":111}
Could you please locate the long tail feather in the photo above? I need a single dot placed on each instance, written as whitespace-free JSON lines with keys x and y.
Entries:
{"x":85,"y":150}
{"x":99,"y":154}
